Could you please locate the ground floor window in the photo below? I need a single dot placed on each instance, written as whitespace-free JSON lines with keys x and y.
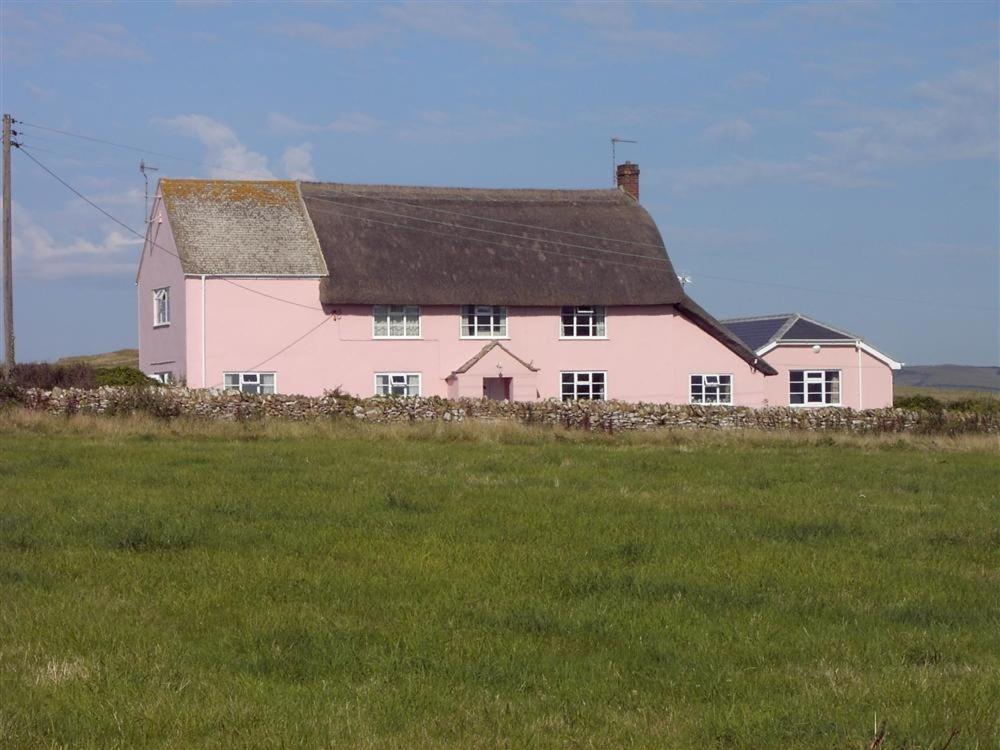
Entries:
{"x":814,"y":388}
{"x":583,"y":386}
{"x":397,"y":384}
{"x":163,"y":377}
{"x":250,"y":382}
{"x":711,"y":389}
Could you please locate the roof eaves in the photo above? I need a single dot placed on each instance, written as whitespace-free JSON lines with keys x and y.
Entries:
{"x":700,"y":317}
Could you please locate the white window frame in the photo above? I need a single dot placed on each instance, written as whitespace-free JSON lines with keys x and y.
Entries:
{"x":167,"y":377}
{"x":498,"y":319}
{"x":242,"y":380}
{"x":161,"y":300}
{"x":406,"y":382}
{"x":584,"y":315}
{"x":815,"y":376}
{"x":577,"y":382}
{"x":407,"y":311}
{"x":706,"y":384}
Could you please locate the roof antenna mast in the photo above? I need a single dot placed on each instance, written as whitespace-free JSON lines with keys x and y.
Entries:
{"x":614,"y":161}
{"x":146,"y":169}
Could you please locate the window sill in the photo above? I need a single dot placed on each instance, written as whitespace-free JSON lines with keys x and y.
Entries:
{"x":161,"y":325}
{"x":584,"y":338}
{"x":397,"y":338}
{"x":710,"y":403}
{"x":813,"y":406}
{"x":484,"y":338}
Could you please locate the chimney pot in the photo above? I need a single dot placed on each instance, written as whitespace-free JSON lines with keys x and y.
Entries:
{"x":628,"y":179}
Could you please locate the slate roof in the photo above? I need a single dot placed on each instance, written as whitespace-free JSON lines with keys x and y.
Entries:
{"x":427,"y":245}
{"x":760,"y":331}
{"x":793,"y":328}
{"x":241,"y":227}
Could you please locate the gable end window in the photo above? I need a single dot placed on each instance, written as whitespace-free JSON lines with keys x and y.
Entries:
{"x":249,"y":382}
{"x":712,"y":389}
{"x":814,"y":388}
{"x":396,"y":321}
{"x":484,"y":322}
{"x":397,"y":384}
{"x":583,"y":386}
{"x":161,"y":307}
{"x":583,"y":322}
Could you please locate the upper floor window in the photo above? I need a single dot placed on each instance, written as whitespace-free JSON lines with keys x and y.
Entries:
{"x":161,"y":306}
{"x":397,"y":321}
{"x":397,"y":384}
{"x":583,"y":322}
{"x":250,"y":382}
{"x":484,"y":321}
{"x":577,"y":386}
{"x":814,"y":388}
{"x":712,"y":389}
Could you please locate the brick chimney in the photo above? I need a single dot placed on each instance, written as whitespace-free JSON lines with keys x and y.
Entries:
{"x":628,"y":179}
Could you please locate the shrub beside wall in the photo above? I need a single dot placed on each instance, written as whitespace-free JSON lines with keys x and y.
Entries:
{"x":607,"y":416}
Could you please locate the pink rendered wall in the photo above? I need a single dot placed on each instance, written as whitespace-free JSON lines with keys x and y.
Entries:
{"x":648,"y":355}
{"x":868,"y":388}
{"x":161,"y":349}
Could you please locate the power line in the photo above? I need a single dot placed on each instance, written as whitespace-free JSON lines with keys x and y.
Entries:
{"x":633,"y":265}
{"x":143,"y":237}
{"x":664,"y":259}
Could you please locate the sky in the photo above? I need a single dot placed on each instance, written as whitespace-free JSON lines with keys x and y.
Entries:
{"x":834,"y":159}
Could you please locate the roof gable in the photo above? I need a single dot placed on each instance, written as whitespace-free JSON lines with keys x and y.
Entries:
{"x":804,"y":329}
{"x":242,"y":228}
{"x":425,"y":245}
{"x":796,"y":329}
{"x":507,"y":358}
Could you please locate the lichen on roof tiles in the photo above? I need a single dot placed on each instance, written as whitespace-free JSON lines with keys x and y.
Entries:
{"x":242,"y":227}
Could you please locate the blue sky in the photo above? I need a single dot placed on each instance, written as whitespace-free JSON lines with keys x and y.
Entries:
{"x":839,"y":160}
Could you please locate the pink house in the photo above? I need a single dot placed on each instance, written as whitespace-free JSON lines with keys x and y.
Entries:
{"x":817,"y":364}
{"x":288,"y":287}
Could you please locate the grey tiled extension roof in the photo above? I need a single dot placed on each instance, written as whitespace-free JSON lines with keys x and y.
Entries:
{"x":757,"y":332}
{"x":242,"y":227}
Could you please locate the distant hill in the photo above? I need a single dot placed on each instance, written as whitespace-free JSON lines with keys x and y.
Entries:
{"x":120,"y":358}
{"x":949,"y":376}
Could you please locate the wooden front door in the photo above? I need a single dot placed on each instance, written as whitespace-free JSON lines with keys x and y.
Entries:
{"x":497,"y":389}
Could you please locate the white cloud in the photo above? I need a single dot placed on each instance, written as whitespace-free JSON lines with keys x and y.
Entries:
{"x":226,"y":155}
{"x":351,"y":122}
{"x":469,"y":127}
{"x":297,"y":162}
{"x":943,"y":119}
{"x":38,"y":253}
{"x":105,"y":40}
{"x":615,"y":25}
{"x":734,"y":129}
{"x":465,"y":21}
{"x":348,"y":37}
{"x":750,"y":79}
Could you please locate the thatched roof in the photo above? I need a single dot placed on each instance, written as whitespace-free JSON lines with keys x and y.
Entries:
{"x":424,"y":245}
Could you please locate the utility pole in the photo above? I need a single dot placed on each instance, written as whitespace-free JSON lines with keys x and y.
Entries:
{"x":8,"y":264}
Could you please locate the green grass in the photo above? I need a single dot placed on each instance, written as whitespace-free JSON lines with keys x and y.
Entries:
{"x":119,"y":358}
{"x":492,"y":586}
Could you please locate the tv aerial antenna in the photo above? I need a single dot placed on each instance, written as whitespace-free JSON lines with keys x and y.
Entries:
{"x":614,"y":161}
{"x":146,"y":169}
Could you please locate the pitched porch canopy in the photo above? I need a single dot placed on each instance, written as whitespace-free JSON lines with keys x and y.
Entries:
{"x":494,"y":372}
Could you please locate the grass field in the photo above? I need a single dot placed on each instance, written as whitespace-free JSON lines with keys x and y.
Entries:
{"x":491,"y":586}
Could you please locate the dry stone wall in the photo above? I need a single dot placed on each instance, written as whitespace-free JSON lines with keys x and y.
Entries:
{"x":605,"y":416}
